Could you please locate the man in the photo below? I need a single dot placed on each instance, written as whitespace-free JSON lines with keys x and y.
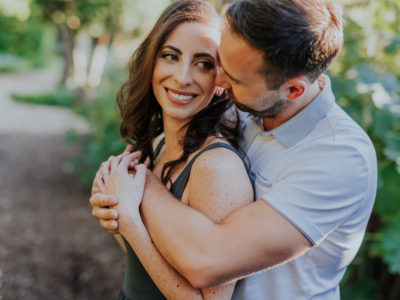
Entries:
{"x":314,"y":168}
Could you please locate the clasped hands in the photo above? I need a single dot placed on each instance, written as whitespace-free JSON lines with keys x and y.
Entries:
{"x":117,"y":190}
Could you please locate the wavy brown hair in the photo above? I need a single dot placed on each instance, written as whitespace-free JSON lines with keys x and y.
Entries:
{"x":142,"y":115}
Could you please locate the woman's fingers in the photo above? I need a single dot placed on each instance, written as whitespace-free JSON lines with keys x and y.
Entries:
{"x":106,"y":169}
{"x":147,"y":162}
{"x":100,"y":184}
{"x":116,"y":161}
{"x":129,"y":161}
{"x":129,"y":149}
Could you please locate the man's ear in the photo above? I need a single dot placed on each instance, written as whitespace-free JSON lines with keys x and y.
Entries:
{"x":295,"y":87}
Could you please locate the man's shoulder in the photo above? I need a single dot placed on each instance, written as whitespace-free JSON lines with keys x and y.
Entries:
{"x":346,"y":131}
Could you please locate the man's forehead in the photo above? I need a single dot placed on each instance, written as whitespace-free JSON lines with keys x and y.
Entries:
{"x":237,"y":56}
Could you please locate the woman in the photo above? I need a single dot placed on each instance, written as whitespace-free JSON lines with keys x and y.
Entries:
{"x":171,"y":95}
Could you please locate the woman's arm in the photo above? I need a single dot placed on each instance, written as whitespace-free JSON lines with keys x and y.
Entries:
{"x":125,"y":186}
{"x":120,"y":241}
{"x":220,"y":163}
{"x":170,"y":282}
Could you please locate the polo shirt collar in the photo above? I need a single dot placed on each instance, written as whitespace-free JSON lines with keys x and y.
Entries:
{"x":296,"y":128}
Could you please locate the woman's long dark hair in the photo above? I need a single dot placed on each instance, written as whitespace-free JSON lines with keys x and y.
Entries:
{"x":142,"y":115}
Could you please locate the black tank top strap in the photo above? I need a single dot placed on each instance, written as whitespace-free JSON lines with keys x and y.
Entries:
{"x":180,"y":183}
{"x":159,"y":147}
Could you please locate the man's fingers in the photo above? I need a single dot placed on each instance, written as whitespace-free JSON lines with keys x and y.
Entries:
{"x":140,"y":175}
{"x":103,"y":200}
{"x":105,"y":213}
{"x":109,"y":224}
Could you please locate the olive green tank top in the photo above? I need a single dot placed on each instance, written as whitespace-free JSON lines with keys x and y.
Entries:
{"x":137,"y":283}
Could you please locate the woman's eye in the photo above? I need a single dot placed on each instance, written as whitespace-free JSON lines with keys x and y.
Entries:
{"x":170,"y":56}
{"x":205,"y":65}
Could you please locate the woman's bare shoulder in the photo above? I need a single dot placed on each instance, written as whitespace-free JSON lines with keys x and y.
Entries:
{"x":219,"y":183}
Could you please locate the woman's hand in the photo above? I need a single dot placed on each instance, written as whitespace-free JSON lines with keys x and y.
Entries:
{"x":103,"y":205}
{"x":118,"y":181}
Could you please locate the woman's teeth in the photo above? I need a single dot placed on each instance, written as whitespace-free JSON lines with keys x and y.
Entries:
{"x":181,"y":97}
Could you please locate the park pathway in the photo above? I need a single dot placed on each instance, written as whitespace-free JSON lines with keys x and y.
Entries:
{"x":50,"y":246}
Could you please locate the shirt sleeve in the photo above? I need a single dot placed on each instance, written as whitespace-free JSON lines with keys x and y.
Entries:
{"x":320,"y":188}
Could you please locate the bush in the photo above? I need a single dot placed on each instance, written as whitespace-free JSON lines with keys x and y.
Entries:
{"x":24,"y":44}
{"x":62,"y":97}
{"x":366,"y":83}
{"x":105,"y":138}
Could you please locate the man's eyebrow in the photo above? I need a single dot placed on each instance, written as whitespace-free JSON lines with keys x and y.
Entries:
{"x":230,"y":76}
{"x":173,"y":48}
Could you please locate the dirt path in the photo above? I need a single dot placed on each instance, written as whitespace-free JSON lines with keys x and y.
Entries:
{"x":50,"y":246}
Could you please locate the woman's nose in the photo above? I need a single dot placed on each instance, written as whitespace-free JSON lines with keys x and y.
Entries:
{"x":183,"y":74}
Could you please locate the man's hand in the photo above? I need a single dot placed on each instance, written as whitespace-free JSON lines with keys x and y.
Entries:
{"x":103,"y":209}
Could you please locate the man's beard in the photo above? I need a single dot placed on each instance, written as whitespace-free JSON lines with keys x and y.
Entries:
{"x":271,"y":112}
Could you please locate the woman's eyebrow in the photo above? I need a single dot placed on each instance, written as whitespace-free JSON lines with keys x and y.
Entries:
{"x":204,"y":54}
{"x":173,"y":48}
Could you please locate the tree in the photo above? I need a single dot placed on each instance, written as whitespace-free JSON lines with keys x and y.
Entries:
{"x":98,"y":18}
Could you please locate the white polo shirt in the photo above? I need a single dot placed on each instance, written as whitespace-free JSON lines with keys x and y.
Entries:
{"x":319,"y":171}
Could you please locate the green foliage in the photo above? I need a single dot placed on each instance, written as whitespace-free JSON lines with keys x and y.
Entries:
{"x":61,"y":97}
{"x":366,"y":83}
{"x":27,"y":44}
{"x":103,"y":14}
{"x":12,"y":63}
{"x":104,"y":139}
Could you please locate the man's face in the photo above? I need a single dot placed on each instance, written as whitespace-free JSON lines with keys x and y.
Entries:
{"x":240,"y":75}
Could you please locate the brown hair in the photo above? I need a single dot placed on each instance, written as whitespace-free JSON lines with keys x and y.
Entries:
{"x":297,"y":37}
{"x":142,"y":115}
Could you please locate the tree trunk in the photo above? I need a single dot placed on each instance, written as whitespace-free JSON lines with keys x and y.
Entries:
{"x":67,"y":43}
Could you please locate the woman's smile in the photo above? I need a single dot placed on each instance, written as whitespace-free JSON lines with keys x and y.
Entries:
{"x":184,"y":73}
{"x":180,"y":97}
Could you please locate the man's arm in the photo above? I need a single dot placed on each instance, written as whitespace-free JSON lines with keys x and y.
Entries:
{"x":250,"y":239}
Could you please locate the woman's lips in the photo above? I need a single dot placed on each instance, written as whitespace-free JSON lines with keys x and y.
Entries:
{"x":180,"y":97}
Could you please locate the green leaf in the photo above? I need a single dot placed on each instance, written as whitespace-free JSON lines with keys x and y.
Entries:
{"x":387,"y":202}
{"x":391,"y":243}
{"x":393,"y":47}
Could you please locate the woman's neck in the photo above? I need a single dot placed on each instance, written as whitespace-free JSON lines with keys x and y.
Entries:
{"x":174,"y":134}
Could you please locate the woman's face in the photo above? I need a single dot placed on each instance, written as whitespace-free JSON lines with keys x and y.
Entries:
{"x":185,"y":70}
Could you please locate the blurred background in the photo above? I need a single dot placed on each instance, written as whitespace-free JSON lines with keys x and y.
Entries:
{"x":61,"y":65}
